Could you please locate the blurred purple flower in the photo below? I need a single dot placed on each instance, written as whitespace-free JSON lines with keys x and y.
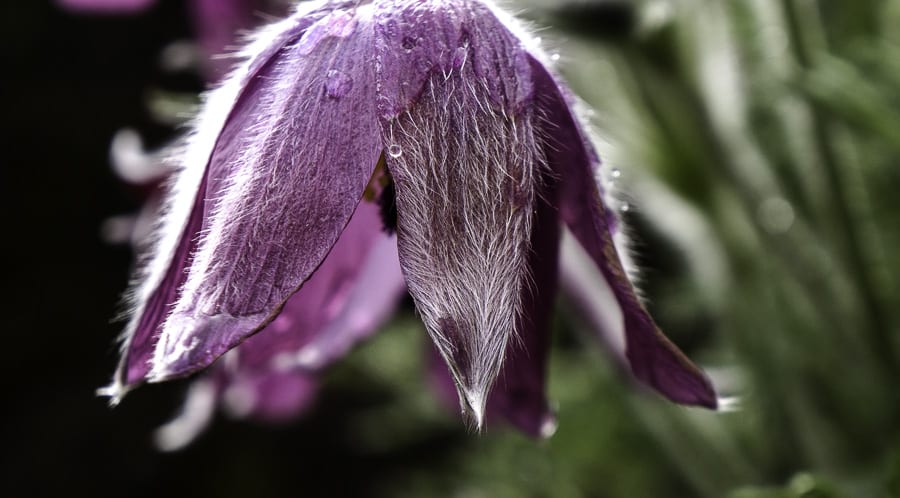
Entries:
{"x":218,"y":23}
{"x":106,"y":6}
{"x":439,"y":115}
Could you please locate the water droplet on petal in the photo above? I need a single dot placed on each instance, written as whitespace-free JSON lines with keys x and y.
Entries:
{"x":615,"y":173}
{"x":624,"y":207}
{"x":554,"y":57}
{"x":337,"y":84}
{"x":395,"y":151}
{"x":548,"y":426}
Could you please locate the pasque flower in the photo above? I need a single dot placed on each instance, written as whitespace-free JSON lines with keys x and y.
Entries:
{"x":440,"y":118}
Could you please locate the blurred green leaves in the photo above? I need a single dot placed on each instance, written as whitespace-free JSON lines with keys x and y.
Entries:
{"x":759,"y":146}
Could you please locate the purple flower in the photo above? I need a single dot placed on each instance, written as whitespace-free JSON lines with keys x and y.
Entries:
{"x":439,"y":116}
{"x":108,"y":6}
{"x":218,"y":23}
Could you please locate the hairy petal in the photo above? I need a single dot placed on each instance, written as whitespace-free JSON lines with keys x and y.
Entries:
{"x":253,"y":381}
{"x":519,"y":394}
{"x":653,"y":358}
{"x":465,"y":162}
{"x":289,"y":168}
{"x":163,"y":269}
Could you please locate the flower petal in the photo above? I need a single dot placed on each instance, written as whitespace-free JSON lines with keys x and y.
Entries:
{"x":375,"y":295}
{"x":653,"y":358}
{"x":519,"y":394}
{"x":270,"y":396}
{"x":162,"y":274}
{"x":253,"y":382}
{"x":289,"y":169}
{"x":319,"y":310}
{"x":466,"y":165}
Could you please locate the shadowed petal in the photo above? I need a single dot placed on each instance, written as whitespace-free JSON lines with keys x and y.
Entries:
{"x":466,"y":165}
{"x":375,"y":295}
{"x":318,"y":313}
{"x":590,"y":296}
{"x":519,"y":394}
{"x":653,"y":358}
{"x":286,"y":174}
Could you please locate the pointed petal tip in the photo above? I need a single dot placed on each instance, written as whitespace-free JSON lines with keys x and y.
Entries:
{"x":473,"y":403}
{"x":115,"y":391}
{"x":192,"y":341}
{"x":697,"y":391}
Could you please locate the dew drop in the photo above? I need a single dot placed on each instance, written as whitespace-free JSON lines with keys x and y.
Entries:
{"x":615,"y":173}
{"x":624,"y":207}
{"x":337,"y":84}
{"x":395,"y":151}
{"x":554,"y":57}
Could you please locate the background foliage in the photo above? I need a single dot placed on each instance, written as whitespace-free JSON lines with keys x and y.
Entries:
{"x":757,"y":142}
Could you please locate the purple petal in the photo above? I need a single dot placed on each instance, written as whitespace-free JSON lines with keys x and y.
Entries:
{"x":463,"y":154}
{"x":270,"y":397}
{"x":418,"y":40}
{"x":591,"y":298}
{"x":316,"y":315}
{"x":341,"y":303}
{"x":287,"y":172}
{"x":139,"y":347}
{"x":257,"y":384}
{"x":519,"y":393}
{"x":375,"y":295}
{"x":164,"y":272}
{"x":653,"y":358}
{"x":106,"y":6}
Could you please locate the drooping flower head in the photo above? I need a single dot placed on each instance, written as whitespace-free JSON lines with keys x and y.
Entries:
{"x":441,"y":110}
